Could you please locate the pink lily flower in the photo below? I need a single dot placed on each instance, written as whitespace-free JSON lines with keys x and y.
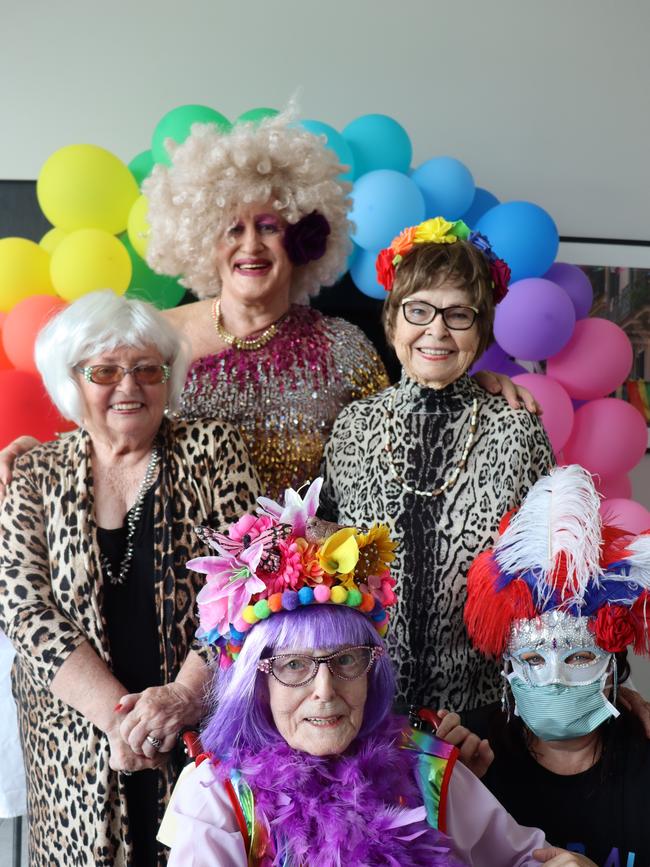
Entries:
{"x":296,"y":511}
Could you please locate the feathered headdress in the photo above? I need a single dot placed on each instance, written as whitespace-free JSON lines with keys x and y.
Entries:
{"x":283,"y":558}
{"x":554,"y":554}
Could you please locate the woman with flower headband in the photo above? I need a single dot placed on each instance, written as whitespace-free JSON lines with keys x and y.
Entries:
{"x":256,"y":220}
{"x":434,"y":456}
{"x":558,"y":600}
{"x":304,"y":763}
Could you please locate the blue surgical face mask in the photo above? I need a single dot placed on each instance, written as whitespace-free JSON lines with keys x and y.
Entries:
{"x":557,"y":712}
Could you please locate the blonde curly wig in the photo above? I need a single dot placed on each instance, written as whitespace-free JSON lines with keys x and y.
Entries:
{"x":192,"y":202}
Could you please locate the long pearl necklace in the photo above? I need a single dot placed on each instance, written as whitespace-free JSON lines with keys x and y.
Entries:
{"x":453,"y":478}
{"x":247,"y":343}
{"x":131,"y":523}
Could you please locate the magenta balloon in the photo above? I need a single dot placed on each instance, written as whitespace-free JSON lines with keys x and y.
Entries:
{"x":595,"y":361}
{"x":557,"y":416}
{"x":576,"y":284}
{"x":609,"y":437}
{"x":625,"y":514}
{"x":534,"y":320}
{"x":620,"y":487}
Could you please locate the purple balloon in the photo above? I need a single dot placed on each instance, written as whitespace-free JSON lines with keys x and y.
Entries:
{"x":496,"y":360}
{"x":576,"y":284}
{"x":535,"y":319}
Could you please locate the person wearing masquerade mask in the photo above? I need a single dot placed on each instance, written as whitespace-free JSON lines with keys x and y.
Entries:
{"x":436,"y":457}
{"x":255,"y":218}
{"x":560,"y":598}
{"x":305,"y":763}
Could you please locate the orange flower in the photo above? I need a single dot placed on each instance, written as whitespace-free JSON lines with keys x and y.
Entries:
{"x":402,"y":244}
{"x":313,"y":572}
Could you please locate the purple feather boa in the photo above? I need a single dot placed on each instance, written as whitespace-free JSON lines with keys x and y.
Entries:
{"x":344,"y":810}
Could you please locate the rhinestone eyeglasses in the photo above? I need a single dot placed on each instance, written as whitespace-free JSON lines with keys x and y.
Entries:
{"x":456,"y":318}
{"x":111,"y":374}
{"x":293,"y":669}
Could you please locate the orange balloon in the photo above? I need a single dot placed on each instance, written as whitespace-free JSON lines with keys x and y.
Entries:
{"x":4,"y":361}
{"x":25,"y":408}
{"x":22,"y":324}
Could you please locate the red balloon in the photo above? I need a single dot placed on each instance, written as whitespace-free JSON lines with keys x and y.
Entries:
{"x":609,"y":437}
{"x":25,"y":408}
{"x":625,"y":514}
{"x":22,"y":325}
{"x":4,"y":361}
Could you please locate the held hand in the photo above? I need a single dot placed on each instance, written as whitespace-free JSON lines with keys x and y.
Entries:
{"x":562,"y":858}
{"x":475,"y":753}
{"x":516,"y":395}
{"x":637,"y":705}
{"x":7,"y":457}
{"x":122,"y":757}
{"x":158,"y":712}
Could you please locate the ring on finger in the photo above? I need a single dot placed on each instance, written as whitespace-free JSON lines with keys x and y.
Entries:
{"x":155,"y":742}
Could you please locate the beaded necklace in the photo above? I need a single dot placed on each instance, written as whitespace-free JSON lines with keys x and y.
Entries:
{"x":453,"y":478}
{"x":133,"y":518}
{"x":242,"y":342}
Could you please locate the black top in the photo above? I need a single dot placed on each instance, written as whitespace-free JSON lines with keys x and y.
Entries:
{"x":130,"y":608}
{"x":603,"y":812}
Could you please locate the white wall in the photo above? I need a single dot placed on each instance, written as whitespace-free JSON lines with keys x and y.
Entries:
{"x":544,"y":101}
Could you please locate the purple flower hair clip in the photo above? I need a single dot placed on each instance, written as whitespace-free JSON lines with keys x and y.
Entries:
{"x":306,"y":240}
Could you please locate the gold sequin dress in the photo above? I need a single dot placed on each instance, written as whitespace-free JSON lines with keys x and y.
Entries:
{"x":285,"y":396}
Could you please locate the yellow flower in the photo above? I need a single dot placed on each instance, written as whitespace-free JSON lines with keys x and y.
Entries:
{"x":435,"y":231}
{"x":376,"y":552}
{"x":340,"y":552}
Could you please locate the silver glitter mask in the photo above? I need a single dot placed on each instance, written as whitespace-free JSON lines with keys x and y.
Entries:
{"x":552,"y":630}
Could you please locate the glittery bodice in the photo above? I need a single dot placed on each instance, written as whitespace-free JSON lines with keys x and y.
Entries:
{"x":285,"y":396}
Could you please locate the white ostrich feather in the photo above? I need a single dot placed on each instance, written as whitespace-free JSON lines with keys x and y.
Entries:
{"x":639,"y":561}
{"x":559,"y":515}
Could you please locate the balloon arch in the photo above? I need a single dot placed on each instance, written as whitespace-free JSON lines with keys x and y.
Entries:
{"x":99,"y":240}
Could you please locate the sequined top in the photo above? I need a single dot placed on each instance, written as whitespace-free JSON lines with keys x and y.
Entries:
{"x":285,"y":396}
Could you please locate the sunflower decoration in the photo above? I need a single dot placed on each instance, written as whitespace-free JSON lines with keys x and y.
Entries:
{"x":376,"y":552}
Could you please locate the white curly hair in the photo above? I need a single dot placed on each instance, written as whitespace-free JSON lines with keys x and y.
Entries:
{"x":193,"y":201}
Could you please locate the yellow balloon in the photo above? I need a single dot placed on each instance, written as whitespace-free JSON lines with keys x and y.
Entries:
{"x":138,"y":227}
{"x":83,"y":186}
{"x":90,"y":259}
{"x":24,"y":271}
{"x":51,"y":240}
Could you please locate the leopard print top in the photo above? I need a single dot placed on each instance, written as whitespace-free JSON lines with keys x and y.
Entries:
{"x":438,"y":537}
{"x":51,"y":602}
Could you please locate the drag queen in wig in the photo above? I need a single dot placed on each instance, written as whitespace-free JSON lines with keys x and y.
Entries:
{"x":304,"y":762}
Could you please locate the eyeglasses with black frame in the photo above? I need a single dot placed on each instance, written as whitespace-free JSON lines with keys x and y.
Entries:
{"x":456,"y":317}
{"x":299,"y":669}
{"x":111,"y":374}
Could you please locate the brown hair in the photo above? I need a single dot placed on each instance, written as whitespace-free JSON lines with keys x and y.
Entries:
{"x":427,"y":265}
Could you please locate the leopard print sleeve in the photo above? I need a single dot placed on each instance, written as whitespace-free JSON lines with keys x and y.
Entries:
{"x":29,"y":614}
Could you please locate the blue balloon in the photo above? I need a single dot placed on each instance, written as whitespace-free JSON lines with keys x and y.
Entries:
{"x":483,"y":201}
{"x":336,"y":142}
{"x":524,"y":235}
{"x":447,"y":186}
{"x":364,"y":275}
{"x":378,"y":142}
{"x":383,"y":203}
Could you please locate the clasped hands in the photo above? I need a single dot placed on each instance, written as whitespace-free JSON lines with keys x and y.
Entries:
{"x":147,"y":725}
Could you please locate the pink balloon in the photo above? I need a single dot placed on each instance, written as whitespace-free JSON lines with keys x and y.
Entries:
{"x":609,"y":437}
{"x":618,"y":488}
{"x":595,"y":361}
{"x":625,"y":514}
{"x":557,"y":417}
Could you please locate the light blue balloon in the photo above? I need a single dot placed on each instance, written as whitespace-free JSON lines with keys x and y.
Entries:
{"x":364,"y":274}
{"x":383,"y":203}
{"x":336,"y":142}
{"x":447,"y":186}
{"x":483,"y":201}
{"x":378,"y":142}
{"x":524,"y":235}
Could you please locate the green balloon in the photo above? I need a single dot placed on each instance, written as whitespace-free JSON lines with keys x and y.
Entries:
{"x":146,"y":285}
{"x":255,"y":115}
{"x":141,"y":165}
{"x":176,"y":125}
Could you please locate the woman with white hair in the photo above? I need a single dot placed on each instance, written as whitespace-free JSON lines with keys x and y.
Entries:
{"x":95,"y":530}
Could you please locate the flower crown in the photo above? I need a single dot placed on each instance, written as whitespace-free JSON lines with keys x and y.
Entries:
{"x":554,"y":554}
{"x":283,"y":558}
{"x":440,"y":231}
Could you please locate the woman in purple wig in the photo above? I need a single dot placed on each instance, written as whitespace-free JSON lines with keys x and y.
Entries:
{"x":305,"y":764}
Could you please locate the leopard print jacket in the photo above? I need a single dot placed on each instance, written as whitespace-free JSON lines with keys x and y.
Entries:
{"x":51,"y":602}
{"x":438,"y":537}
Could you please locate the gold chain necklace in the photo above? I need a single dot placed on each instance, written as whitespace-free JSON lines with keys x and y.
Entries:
{"x":242,"y":342}
{"x":453,"y":478}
